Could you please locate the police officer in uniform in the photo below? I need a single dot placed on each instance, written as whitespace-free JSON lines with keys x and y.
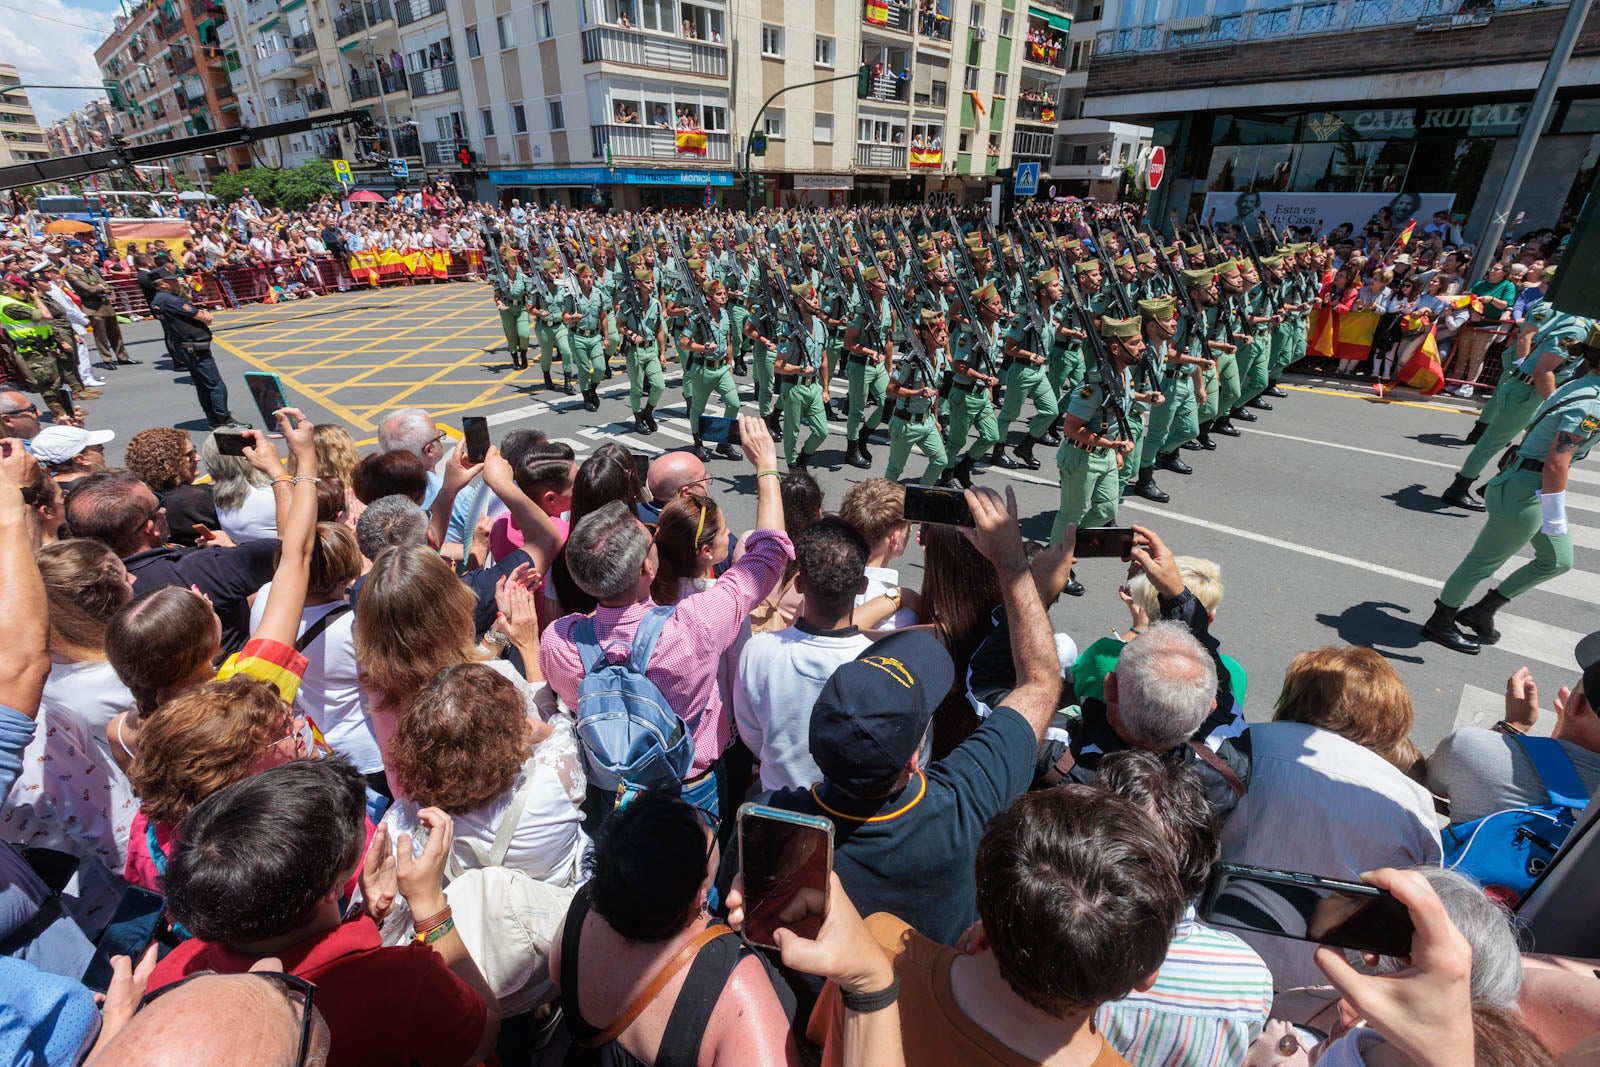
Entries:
{"x":26,"y":320}
{"x":800,"y":366}
{"x":1095,"y":441}
{"x":914,"y":391}
{"x":189,"y":330}
{"x":1527,"y":501}
{"x":643,"y":326}
{"x":869,"y":357}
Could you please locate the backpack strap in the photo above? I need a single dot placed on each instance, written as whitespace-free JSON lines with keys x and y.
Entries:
{"x":589,"y":651}
{"x":315,"y":630}
{"x":504,"y":830}
{"x":1555,"y":770}
{"x":644,"y":638}
{"x":1220,"y":765}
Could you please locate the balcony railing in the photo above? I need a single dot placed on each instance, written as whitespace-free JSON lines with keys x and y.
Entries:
{"x":881,"y":156}
{"x":286,"y":112}
{"x":657,"y":51}
{"x":368,"y":86}
{"x":440,"y":153}
{"x":171,"y":27}
{"x":1310,"y":18}
{"x":1037,"y":111}
{"x":653,"y":142}
{"x":887,"y":14}
{"x":356,"y":20}
{"x":304,"y":42}
{"x":888,"y":87}
{"x":408,"y":11}
{"x":182,"y":62}
{"x":1047,"y":54}
{"x":1027,"y":143}
{"x":224,"y":90}
{"x":273,"y":63}
{"x":316,"y":100}
{"x":435,"y":80}
{"x":935,"y":27}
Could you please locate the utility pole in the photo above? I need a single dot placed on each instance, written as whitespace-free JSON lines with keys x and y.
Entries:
{"x":749,"y":202}
{"x":1528,"y":140}
{"x":383,"y":90}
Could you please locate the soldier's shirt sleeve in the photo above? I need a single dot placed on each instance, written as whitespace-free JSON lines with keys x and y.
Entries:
{"x":1580,"y":420}
{"x":1085,"y":401}
{"x":1017,"y":333}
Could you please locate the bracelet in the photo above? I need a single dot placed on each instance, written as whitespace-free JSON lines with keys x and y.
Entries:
{"x":865,"y":1002}
{"x":1507,"y":728}
{"x":1133,"y":630}
{"x":297,"y":479}
{"x":771,"y":474}
{"x":438,"y":932}
{"x":422,"y":926}
{"x":277,"y":478}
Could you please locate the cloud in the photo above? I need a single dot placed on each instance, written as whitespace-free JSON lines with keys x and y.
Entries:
{"x":57,"y":49}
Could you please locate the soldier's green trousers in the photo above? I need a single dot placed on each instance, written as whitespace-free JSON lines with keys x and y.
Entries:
{"x":589,"y":352}
{"x":920,"y":432}
{"x":802,"y":403}
{"x":1089,"y":489}
{"x":1507,"y":414}
{"x":1283,"y":351}
{"x":709,"y":379}
{"x":1254,"y":365}
{"x":1513,"y":520}
{"x":1027,"y":382}
{"x":971,"y":409}
{"x":763,"y":365}
{"x":1174,"y":422}
{"x":868,"y":383}
{"x":1066,"y":367}
{"x":514,"y":321}
{"x":645,"y":380}
{"x":1230,"y":387}
{"x":738,"y":315}
{"x":1205,"y":412}
{"x":1130,"y":465}
{"x":553,"y":341}
{"x":48,"y":369}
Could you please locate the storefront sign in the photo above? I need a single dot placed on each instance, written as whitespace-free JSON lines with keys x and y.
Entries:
{"x":824,"y":181}
{"x":551,"y":176}
{"x":1323,"y":212}
{"x":1485,"y":120}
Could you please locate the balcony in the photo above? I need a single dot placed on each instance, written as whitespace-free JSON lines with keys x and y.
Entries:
{"x":204,"y":9}
{"x":408,"y":11}
{"x":888,"y":87}
{"x":171,"y":27}
{"x":316,"y":100}
{"x":935,"y":27}
{"x":225,"y":34}
{"x":881,"y":156}
{"x":368,"y":86}
{"x":224,"y":90}
{"x":303,"y":42}
{"x":182,"y":62}
{"x":888,"y":15}
{"x":1041,"y":111}
{"x":1286,"y":21}
{"x":608,"y":44}
{"x":287,"y":111}
{"x":655,"y":143}
{"x":274,"y":63}
{"x":1089,"y":172}
{"x":1046,"y":48}
{"x":440,"y":153}
{"x":364,"y":15}
{"x":260,"y":10}
{"x":440,"y":79}
{"x":1028,"y":143}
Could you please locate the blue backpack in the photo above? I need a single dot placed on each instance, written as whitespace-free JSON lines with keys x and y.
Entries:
{"x":1512,"y":848}
{"x":629,"y":731}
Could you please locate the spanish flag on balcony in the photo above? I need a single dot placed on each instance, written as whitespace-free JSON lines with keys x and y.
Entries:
{"x":878,"y":12}
{"x":927,"y":157}
{"x":977,"y":105}
{"x":1036,"y":51}
{"x":1047,"y":114}
{"x":691,"y":142}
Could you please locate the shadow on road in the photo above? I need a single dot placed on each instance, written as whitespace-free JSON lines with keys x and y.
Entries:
{"x":1419,"y":497}
{"x":1441,"y":440}
{"x":1375,"y":625}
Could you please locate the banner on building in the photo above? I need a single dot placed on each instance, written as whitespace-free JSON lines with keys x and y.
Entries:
{"x":1332,"y":214}
{"x":691,"y":142}
{"x":878,"y":12}
{"x":927,"y":157}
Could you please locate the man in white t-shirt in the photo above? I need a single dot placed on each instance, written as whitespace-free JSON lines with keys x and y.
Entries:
{"x":782,"y":673}
{"x":876,"y":508}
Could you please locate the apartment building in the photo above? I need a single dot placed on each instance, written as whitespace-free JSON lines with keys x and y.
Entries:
{"x":1091,"y":153}
{"x":21,"y":138}
{"x":88,"y":129}
{"x":169,"y":64}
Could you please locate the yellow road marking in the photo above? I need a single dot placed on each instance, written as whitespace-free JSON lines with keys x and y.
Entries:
{"x":317,"y":394}
{"x":1379,"y":399}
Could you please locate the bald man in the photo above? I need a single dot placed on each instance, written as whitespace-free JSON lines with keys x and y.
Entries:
{"x":671,"y":475}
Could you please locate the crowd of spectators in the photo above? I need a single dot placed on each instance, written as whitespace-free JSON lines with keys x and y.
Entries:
{"x":330,"y":708}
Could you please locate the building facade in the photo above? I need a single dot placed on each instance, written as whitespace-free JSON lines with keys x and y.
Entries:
{"x":1272,"y":103}
{"x":21,"y":138}
{"x":88,"y":129}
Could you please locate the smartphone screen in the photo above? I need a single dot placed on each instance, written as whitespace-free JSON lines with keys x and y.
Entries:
{"x":1104,"y":541}
{"x":785,"y":859}
{"x":475,"y":432}
{"x":231,"y":444}
{"x":268,"y":393}
{"x":943,"y":507}
{"x":716,"y":430}
{"x":131,"y":928}
{"x":1307,"y":907}
{"x":641,"y":467}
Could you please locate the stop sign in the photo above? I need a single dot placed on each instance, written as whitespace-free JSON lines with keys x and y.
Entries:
{"x":1158,"y":167}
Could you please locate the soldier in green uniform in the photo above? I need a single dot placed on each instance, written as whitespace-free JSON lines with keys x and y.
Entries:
{"x":587,"y":309}
{"x":1028,"y":350}
{"x":551,"y":329}
{"x":98,"y":300}
{"x":44,"y":279}
{"x":975,"y":355}
{"x":838,"y":311}
{"x":762,"y":329}
{"x":25,"y":318}
{"x":1527,"y":501}
{"x":1231,"y":287}
{"x":610,"y":281}
{"x":644,"y":328}
{"x":511,"y":292}
{"x":914,"y":389}
{"x":679,"y":308}
{"x":739,"y":274}
{"x":869,"y":357}
{"x":801,"y":362}
{"x":1523,"y":385}
{"x":1256,"y":313}
{"x":1298,"y":296}
{"x":1158,"y":317}
{"x":1183,"y":384}
{"x":710,"y":350}
{"x":1095,"y":440}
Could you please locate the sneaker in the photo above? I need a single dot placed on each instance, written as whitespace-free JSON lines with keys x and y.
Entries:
{"x":93,"y":382}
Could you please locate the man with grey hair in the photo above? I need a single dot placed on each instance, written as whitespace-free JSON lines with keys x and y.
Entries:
{"x":412,"y":430}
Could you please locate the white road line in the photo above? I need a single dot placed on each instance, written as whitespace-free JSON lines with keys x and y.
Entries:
{"x":1584,"y":536}
{"x":1349,"y":448}
{"x":1582,"y":502}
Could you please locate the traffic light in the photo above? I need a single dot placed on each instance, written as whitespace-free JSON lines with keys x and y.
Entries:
{"x":464,"y":157}
{"x":863,"y":82}
{"x":758,"y":187}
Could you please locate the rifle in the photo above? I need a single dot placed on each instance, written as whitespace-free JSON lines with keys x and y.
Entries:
{"x":497,"y":271}
{"x":702,"y":317}
{"x":896,"y":303}
{"x":1108,"y":271}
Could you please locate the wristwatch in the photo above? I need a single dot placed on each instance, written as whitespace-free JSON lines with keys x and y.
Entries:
{"x":496,"y":638}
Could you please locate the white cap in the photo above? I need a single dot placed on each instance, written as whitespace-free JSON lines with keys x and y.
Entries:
{"x":52,"y":250}
{"x":56,"y":445}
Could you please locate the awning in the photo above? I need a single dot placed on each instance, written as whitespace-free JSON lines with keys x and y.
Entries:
{"x":551,"y":176}
{"x":353,"y":44}
{"x":1056,"y":20}
{"x":291,"y":5}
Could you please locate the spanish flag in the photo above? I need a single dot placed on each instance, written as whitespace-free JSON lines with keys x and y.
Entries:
{"x":1423,"y":370}
{"x":878,"y":12}
{"x":977,"y":105}
{"x":691,"y":142}
{"x":1405,"y":234}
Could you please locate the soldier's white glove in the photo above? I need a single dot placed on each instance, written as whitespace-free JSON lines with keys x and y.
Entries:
{"x":1554,"y":508}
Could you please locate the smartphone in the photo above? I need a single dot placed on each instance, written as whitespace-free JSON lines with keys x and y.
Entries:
{"x":1104,"y":541}
{"x":475,"y":433}
{"x":231,"y":444}
{"x":268,"y":393}
{"x":641,"y":467}
{"x":132,"y":927}
{"x":943,"y":507}
{"x":785,"y":859}
{"x":717,"y":431}
{"x":201,"y":530}
{"x":1307,"y":907}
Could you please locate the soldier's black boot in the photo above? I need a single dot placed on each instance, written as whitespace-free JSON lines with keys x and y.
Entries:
{"x":861,"y":443}
{"x":1274,"y":392}
{"x":998,"y":458}
{"x":1073,"y":586}
{"x":739,"y":366}
{"x":641,"y":425}
{"x":591,"y":399}
{"x":963,"y":471}
{"x":853,"y":456}
{"x":1260,"y":405}
{"x":729,"y":450}
{"x":1476,"y":432}
{"x":1223,"y":426}
{"x":1441,"y":627}
{"x":774,"y":427}
{"x":1204,"y":439}
{"x":947,"y":479}
{"x":1457,"y":494}
{"x":1024,"y":453}
{"x":568,"y":388}
{"x":1173,"y":462}
{"x":1479,"y":618}
{"x":1146,"y":486}
{"x":650,"y":417}
{"x":701,"y":452}
{"x":1243,"y":414}
{"x":801,"y":462}
{"x":549,"y":383}
{"x":1052,"y":437}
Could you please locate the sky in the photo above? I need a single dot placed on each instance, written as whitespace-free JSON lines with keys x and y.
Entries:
{"x":52,"y":42}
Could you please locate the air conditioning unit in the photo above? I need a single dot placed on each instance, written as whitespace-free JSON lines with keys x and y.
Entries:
{"x":983,"y":33}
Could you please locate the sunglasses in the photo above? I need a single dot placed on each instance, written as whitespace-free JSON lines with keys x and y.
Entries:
{"x":292,"y":987}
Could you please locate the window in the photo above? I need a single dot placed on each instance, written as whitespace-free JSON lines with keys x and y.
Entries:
{"x":971,"y":82}
{"x":1005,"y":24}
{"x":964,"y":142}
{"x":822,"y":133}
{"x":772,"y":41}
{"x":542,"y":26}
{"x":939,"y":94}
{"x":558,"y":120}
{"x":975,"y":19}
{"x":824,"y":51}
{"x":702,"y":23}
{"x":486,"y":118}
{"x":772,"y":122}
{"x":714,"y":119}
{"x":502,"y":29}
{"x":474,"y":49}
{"x":519,"y":118}
{"x":658,"y":15}
{"x":1000,"y":83}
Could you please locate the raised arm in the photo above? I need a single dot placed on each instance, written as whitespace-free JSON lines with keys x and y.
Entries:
{"x":28,"y":616}
{"x":280,"y":620}
{"x":763,"y":456}
{"x":540,"y":538}
{"x":458,"y":474}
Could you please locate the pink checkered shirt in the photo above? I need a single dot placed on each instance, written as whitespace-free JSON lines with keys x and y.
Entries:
{"x":684,"y":663}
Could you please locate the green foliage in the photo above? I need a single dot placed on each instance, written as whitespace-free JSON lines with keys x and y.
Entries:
{"x":291,"y":189}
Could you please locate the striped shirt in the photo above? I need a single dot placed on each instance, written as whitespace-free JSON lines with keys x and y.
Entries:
{"x":1211,"y":998}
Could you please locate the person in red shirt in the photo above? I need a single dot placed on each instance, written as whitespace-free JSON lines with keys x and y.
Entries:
{"x":258,"y":873}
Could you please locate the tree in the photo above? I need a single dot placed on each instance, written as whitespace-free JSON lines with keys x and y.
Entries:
{"x":291,"y":189}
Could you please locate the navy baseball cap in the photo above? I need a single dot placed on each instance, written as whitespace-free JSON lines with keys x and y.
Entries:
{"x":1588,"y":654}
{"x":874,"y":711}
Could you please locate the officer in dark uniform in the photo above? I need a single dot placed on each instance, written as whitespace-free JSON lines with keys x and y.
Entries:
{"x":188,"y":329}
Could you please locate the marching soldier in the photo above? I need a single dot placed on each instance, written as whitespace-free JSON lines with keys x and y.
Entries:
{"x":1158,"y":319}
{"x":1028,"y":350}
{"x":914,"y":389}
{"x":1183,"y":383}
{"x":587,"y":309}
{"x":869,"y":357}
{"x":551,"y":327}
{"x":763,"y":331}
{"x":644,"y":328}
{"x":802,"y":360}
{"x":970,"y":406}
{"x":1095,"y":440}
{"x":709,"y":347}
{"x":511,"y":293}
{"x":99,"y":303}
{"x":1256,"y":312}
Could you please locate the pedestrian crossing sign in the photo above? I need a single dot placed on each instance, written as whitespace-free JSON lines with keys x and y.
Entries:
{"x":341,"y":170}
{"x":1027,"y":183}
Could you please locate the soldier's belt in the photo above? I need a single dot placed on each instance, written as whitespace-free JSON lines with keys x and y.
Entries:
{"x":1534,"y":465}
{"x":587,"y":333}
{"x":911,"y":416}
{"x":1525,"y":379}
{"x":968,"y":385}
{"x":1083,"y":447}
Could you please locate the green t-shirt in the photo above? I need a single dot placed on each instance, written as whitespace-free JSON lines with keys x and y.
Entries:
{"x":1096,"y":661}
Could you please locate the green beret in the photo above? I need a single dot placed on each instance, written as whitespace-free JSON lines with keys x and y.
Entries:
{"x":933,"y":263}
{"x":931,"y":316}
{"x":1199,"y":279}
{"x":847,"y":261}
{"x":1227,"y":266}
{"x":879,"y":235}
{"x":1159,"y":309}
{"x":1046,"y":277}
{"x":1146,"y":257}
{"x":1275,"y":262}
{"x":870,"y":274}
{"x":1115,"y":328}
{"x":808,"y":249}
{"x":551,"y":264}
{"x":1086,"y":266}
{"x":636,"y":259}
{"x":742,"y":246}
{"x":715,"y":286}
{"x":642,"y":275}
{"x":1193,"y":250}
{"x":695,"y":263}
{"x":1070,"y":243}
{"x":1124,"y":260}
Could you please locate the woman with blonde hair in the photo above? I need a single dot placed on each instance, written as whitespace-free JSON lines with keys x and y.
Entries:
{"x":243,"y":488}
{"x":337,"y":458}
{"x":1358,"y":695}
